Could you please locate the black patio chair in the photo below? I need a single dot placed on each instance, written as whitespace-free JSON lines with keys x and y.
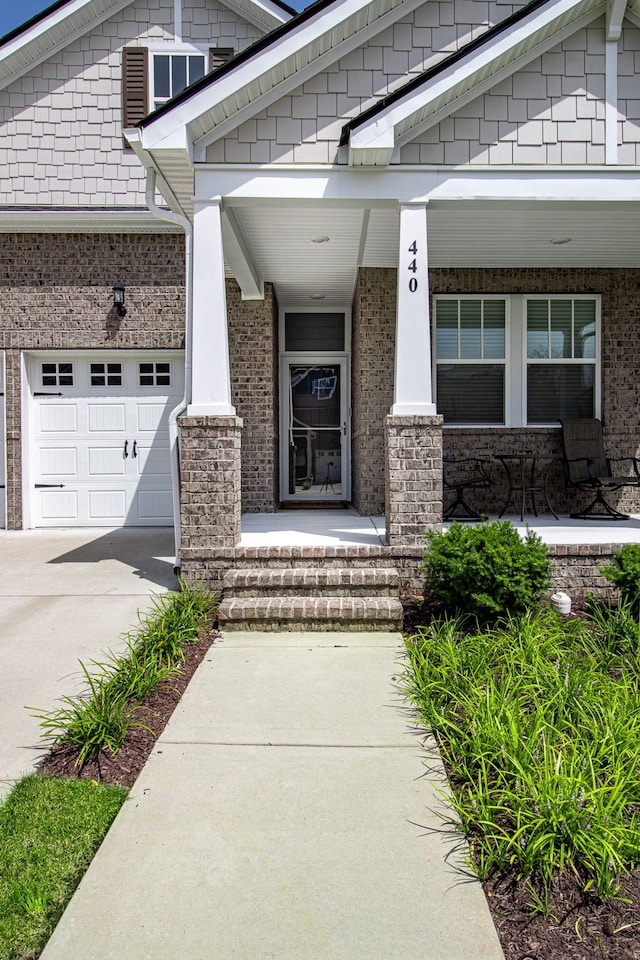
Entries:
{"x":458,"y":476}
{"x":587,"y":467}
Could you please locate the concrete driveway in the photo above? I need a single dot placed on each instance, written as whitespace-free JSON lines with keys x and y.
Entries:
{"x":66,"y":596}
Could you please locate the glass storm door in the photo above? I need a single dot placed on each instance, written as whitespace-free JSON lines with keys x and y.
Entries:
{"x":314,"y":456}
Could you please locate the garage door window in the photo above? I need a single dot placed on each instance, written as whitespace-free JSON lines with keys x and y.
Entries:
{"x":57,"y":374}
{"x":106,"y":374}
{"x":155,"y":374}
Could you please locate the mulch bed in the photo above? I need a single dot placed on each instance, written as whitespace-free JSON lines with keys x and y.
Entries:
{"x":578,"y":926}
{"x":124,"y":766}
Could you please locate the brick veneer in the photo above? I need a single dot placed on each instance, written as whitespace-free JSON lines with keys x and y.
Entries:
{"x":210,"y":485}
{"x":413,"y":477}
{"x":574,"y":566}
{"x":57,"y":294}
{"x":253,"y":351}
{"x":372,"y":361}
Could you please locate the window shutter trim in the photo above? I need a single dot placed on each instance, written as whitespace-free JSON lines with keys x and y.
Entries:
{"x":135,"y":85}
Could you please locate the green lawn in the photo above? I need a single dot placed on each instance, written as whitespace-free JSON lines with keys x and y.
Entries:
{"x":49,"y":831}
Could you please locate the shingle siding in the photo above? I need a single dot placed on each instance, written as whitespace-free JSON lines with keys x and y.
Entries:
{"x":322,"y":105}
{"x":550,"y":112}
{"x":61,"y":124}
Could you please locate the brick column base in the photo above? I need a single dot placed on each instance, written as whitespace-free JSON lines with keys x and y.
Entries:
{"x":210,"y":494}
{"x":413,"y":477}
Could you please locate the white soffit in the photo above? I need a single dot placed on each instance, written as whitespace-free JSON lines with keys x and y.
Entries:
{"x":261,"y":12}
{"x":25,"y":219}
{"x":281,"y":240}
{"x":52,"y":33}
{"x":489,"y":234}
{"x":372,"y":142}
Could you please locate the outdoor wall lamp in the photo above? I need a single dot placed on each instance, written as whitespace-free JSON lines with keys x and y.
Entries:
{"x":118,"y":298}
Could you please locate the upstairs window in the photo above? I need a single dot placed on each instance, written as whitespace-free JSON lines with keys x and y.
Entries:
{"x":172,"y":72}
{"x":150,"y":77}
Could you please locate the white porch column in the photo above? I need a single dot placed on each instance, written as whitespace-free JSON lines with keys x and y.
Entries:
{"x":412,"y":389}
{"x":211,"y":382}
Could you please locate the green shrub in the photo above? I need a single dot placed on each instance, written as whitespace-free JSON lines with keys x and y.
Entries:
{"x":485,"y":571}
{"x":624,"y":572}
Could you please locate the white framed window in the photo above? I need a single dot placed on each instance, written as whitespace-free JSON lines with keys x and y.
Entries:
{"x":106,"y":374}
{"x":471,"y":359}
{"x":562,"y":335}
{"x":155,"y":374}
{"x":173,"y":70}
{"x":57,"y":374}
{"x":516,"y":360}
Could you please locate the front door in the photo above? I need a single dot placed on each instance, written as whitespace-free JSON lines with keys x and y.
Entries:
{"x":315,"y":461}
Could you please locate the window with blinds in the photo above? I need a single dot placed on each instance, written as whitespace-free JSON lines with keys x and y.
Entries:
{"x":516,"y":360}
{"x":471,"y":360}
{"x":561,"y":358}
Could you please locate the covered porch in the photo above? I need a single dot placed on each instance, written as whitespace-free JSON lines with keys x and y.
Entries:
{"x":326,"y":528}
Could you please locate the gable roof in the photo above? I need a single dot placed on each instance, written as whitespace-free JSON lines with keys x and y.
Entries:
{"x":375,"y":134}
{"x":269,"y":69}
{"x":66,"y":20}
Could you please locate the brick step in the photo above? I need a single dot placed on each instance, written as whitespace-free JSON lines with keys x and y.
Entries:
{"x":311,"y":613}
{"x":309,"y":582}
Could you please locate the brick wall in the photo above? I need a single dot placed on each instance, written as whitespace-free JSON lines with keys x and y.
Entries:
{"x":57,"y":294}
{"x":253,"y":349}
{"x":372,"y":361}
{"x":210,"y":496}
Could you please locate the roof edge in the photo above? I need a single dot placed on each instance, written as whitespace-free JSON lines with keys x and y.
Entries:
{"x":242,"y":57}
{"x":501,"y":27}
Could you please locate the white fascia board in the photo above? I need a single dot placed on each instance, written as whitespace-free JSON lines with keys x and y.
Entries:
{"x":615,"y":15}
{"x":376,"y":132}
{"x":379,"y":187}
{"x":257,"y":68}
{"x":16,"y":58}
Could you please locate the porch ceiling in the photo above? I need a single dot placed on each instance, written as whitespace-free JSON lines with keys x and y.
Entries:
{"x":461,"y":234}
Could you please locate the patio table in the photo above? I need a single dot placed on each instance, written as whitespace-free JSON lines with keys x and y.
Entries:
{"x":526,"y":477}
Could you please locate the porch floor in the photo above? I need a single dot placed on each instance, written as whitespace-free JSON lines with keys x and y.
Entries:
{"x":331,"y":527}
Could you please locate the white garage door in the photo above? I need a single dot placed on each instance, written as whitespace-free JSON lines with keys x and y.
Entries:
{"x":3,"y":455}
{"x":100,"y":439}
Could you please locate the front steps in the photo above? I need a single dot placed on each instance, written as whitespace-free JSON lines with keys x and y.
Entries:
{"x":311,"y":598}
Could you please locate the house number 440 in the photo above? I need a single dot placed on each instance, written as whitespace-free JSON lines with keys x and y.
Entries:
{"x":413,"y":267}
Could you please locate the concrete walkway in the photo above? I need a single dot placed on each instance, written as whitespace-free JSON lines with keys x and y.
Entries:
{"x":65,"y":596}
{"x":287,"y":813}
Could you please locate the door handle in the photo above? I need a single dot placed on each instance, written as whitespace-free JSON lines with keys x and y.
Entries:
{"x":134,"y":452}
{"x":344,"y":428}
{"x":125,"y":452}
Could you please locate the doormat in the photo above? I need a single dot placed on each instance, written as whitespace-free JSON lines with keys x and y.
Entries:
{"x":315,"y":505}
